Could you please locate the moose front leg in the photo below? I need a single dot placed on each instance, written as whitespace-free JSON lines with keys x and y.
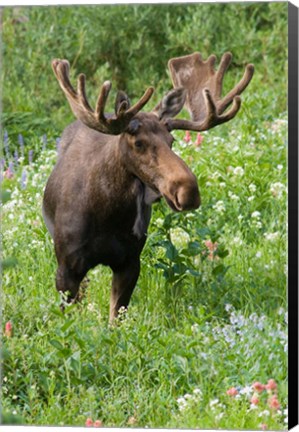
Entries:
{"x":68,"y":282}
{"x":123,"y":284}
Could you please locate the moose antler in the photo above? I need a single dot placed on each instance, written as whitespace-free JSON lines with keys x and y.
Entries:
{"x":96,"y":119}
{"x":204,"y":87}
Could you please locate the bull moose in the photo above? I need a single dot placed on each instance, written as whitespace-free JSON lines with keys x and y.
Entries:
{"x":112,"y":167}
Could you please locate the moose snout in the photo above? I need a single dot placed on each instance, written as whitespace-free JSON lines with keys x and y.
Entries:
{"x":187,"y":196}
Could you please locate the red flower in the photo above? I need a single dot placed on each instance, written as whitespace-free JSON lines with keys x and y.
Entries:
{"x":232,"y":391}
{"x":254,"y":400}
{"x":8,"y":329}
{"x":263,"y":426}
{"x":89,"y":422}
{"x":98,"y":423}
{"x":258,"y":386}
{"x":199,"y":140}
{"x":187,"y":137}
{"x":273,"y":402}
{"x":8,"y":173}
{"x":271,"y":385}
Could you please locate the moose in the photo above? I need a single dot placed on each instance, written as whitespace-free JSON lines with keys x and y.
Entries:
{"x":111,"y":168}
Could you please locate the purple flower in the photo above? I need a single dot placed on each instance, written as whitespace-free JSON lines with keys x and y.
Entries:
{"x":23,"y":179}
{"x":21,"y":142}
{"x":11,"y":167}
{"x":30,"y":156}
{"x":58,"y":144}
{"x":16,"y":156}
{"x":2,"y":163}
{"x":44,"y":139}
{"x":5,"y":142}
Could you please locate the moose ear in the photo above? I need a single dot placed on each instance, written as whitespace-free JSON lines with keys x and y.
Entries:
{"x":122,"y":103}
{"x":171,"y":104}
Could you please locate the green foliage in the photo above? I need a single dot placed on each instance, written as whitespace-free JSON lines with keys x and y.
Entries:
{"x":209,"y":309}
{"x":130,"y":45}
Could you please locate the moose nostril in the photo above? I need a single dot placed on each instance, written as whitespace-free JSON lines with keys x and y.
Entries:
{"x":187,"y":197}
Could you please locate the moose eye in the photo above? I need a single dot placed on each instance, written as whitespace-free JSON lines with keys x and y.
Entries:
{"x":138,"y":144}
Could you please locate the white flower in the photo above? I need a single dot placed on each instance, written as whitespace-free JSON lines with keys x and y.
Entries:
{"x":213,"y":402}
{"x":247,"y":390}
{"x":258,"y":254}
{"x":264,"y":413}
{"x":222,"y":184}
{"x":256,"y":215}
{"x":279,"y":167}
{"x":251,"y":198}
{"x":252,"y":187}
{"x":197,"y":391}
{"x":179,"y":237}
{"x":238,"y":171}
{"x":219,"y":207}
{"x":277,"y":189}
{"x":271,"y":236}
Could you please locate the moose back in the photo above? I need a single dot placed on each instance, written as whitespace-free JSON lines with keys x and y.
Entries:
{"x":111,"y":168}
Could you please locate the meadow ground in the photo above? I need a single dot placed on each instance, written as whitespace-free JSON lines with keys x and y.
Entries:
{"x":204,"y":342}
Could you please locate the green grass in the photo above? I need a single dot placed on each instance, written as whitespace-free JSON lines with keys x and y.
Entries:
{"x":196,"y":321}
{"x":209,"y":310}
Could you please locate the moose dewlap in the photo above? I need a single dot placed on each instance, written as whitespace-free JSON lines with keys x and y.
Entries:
{"x":110,"y":169}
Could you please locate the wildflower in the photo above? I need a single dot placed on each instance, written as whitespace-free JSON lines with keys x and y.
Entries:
{"x":252,"y":187}
{"x":258,"y":254}
{"x":132,"y":420}
{"x":212,"y":247}
{"x":238,"y":171}
{"x":89,"y":422}
{"x":277,"y":189}
{"x":187,"y":137}
{"x":30,"y":156}
{"x":23,"y":179}
{"x":273,"y":402}
{"x":271,"y":236}
{"x":279,"y":167}
{"x":263,"y":426}
{"x":98,"y":423}
{"x":5,"y":142}
{"x":213,"y":402}
{"x":258,"y":386}
{"x":16,"y":156}
{"x":8,"y":329}
{"x":199,"y":140}
{"x":8,"y":173}
{"x":232,"y":391}
{"x":271,"y":385}
{"x":197,"y":391}
{"x":256,"y":215}
{"x":21,"y":143}
{"x":219,"y":207}
{"x":44,"y":139}
{"x":264,"y":413}
{"x":58,"y":145}
{"x":254,"y":400}
{"x":251,"y":198}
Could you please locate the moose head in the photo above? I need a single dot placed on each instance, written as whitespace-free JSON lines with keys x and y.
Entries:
{"x":111,"y":168}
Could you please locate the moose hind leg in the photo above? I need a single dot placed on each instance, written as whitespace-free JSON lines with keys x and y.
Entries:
{"x":123,"y":284}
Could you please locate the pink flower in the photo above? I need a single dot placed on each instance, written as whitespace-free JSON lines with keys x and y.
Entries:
{"x":232,"y":391}
{"x":89,"y":422}
{"x":258,"y":386}
{"x":8,"y":329}
{"x":212,"y":247}
{"x":273,"y":402}
{"x":199,"y":140}
{"x":98,"y":423}
{"x":8,"y":173}
{"x":187,"y":137}
{"x":271,"y":385}
{"x":254,"y":400}
{"x":263,"y":426}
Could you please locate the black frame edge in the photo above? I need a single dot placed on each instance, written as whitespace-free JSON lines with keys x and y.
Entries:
{"x":293,"y":214}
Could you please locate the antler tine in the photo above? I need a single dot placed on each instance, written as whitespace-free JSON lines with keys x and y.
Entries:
{"x":142,"y":101}
{"x":211,"y":120}
{"x":238,"y":89}
{"x":97,"y":120}
{"x":204,"y":86}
